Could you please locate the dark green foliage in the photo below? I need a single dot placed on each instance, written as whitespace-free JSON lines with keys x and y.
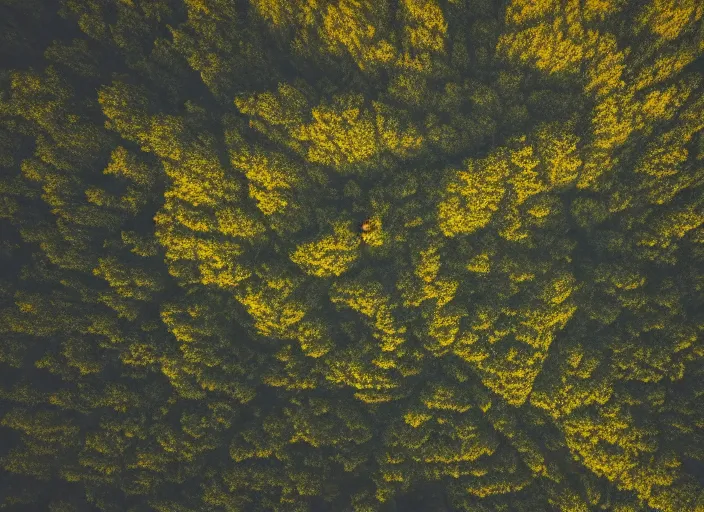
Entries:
{"x":351,"y":255}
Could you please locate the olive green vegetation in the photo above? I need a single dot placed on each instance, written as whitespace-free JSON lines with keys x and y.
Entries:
{"x":193,"y":319}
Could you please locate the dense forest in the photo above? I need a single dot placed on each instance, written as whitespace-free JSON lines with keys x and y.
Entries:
{"x":352,"y":255}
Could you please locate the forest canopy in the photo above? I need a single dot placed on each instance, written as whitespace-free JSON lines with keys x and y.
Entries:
{"x":352,"y":255}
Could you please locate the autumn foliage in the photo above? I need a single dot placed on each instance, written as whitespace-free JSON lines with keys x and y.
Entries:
{"x":351,"y":255}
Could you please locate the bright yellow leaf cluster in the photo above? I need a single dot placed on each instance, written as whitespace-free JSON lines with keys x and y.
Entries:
{"x":349,"y":24}
{"x":669,"y":18}
{"x":528,"y":167}
{"x":268,"y":303}
{"x":271,"y":177}
{"x":426,"y":26}
{"x":474,"y":195}
{"x":558,"y":151}
{"x":368,"y":299}
{"x":332,"y":255}
{"x":341,"y":134}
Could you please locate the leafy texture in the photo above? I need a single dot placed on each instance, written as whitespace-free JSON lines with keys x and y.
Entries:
{"x":352,"y":255}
